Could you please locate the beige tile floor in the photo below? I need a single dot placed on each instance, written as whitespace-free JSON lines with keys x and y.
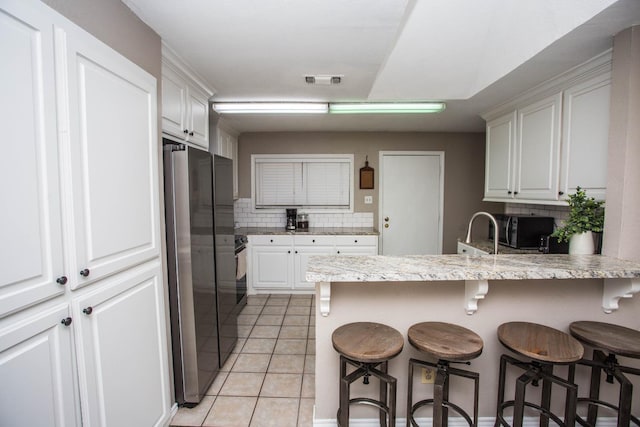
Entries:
{"x":269,"y":379}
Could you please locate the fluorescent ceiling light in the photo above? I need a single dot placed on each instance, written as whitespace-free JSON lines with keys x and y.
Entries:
{"x":271,"y":107}
{"x":385,"y":107}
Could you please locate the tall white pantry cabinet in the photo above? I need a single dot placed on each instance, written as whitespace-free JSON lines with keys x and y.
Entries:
{"x":82,"y":313}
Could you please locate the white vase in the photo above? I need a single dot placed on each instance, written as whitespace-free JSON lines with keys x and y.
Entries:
{"x":581,"y":244}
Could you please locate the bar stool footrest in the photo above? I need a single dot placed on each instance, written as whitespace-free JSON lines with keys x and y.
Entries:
{"x":603,"y":404}
{"x":540,"y":409}
{"x":445,"y":404}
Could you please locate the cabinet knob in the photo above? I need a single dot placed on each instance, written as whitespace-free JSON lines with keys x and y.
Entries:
{"x":296,"y":251}
{"x":186,"y":131}
{"x":338,"y":251}
{"x":85,"y":272}
{"x":515,"y":193}
{"x":87,"y":310}
{"x":62,"y":280}
{"x":191,"y":133}
{"x":509,"y":192}
{"x":288,"y":252}
{"x":560,"y":193}
{"x":313,"y":241}
{"x":66,"y":321}
{"x":355,"y":241}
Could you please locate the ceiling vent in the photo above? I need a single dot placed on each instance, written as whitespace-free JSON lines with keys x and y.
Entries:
{"x":323,"y":80}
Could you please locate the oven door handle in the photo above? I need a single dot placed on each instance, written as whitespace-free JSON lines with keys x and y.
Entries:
{"x":241,"y":263}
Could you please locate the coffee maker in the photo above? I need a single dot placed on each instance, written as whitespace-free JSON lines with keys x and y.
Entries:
{"x":292,"y":215}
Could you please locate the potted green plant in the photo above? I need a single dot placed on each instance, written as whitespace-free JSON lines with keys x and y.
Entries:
{"x":586,"y":215}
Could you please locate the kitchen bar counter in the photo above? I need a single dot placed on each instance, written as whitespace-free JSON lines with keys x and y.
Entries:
{"x":622,"y":278}
{"x":329,"y":231}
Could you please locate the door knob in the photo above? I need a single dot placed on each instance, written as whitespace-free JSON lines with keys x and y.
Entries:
{"x":386,"y":218}
{"x":386,"y":226}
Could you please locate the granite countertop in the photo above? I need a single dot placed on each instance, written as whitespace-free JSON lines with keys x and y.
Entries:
{"x":487,"y":246}
{"x":462,"y":267}
{"x":330,"y":231}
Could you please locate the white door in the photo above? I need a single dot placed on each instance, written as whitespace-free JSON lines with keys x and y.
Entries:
{"x":411,"y":200}
{"x":113,"y":147}
{"x":30,"y":225}
{"x":122,"y":350}
{"x":36,"y":370}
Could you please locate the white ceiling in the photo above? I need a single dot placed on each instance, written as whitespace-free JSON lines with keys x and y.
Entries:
{"x":471,"y":54}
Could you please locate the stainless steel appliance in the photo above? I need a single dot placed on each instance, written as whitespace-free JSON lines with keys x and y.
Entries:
{"x":241,"y":272}
{"x":292,"y":217}
{"x":521,"y":231}
{"x":201,"y":267}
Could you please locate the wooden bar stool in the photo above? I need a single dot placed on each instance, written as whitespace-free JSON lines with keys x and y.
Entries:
{"x":616,"y":341}
{"x":368,"y":347}
{"x":447,"y":343}
{"x":546,"y":347}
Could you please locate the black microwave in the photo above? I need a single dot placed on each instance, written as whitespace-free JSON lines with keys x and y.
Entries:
{"x":521,"y":231}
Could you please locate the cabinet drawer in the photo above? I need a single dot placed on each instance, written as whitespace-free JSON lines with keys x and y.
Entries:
{"x":356,"y":240}
{"x":280,"y":240}
{"x":314,"y":240}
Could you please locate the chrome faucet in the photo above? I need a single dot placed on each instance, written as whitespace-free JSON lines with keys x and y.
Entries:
{"x":495,"y":229}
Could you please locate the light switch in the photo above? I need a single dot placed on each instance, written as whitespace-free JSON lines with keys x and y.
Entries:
{"x":368,"y":200}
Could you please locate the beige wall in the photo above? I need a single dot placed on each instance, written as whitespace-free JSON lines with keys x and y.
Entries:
{"x":622,"y":220}
{"x":464,"y":166}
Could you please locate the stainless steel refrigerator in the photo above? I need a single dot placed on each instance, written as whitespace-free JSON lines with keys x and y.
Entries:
{"x":201,"y":266}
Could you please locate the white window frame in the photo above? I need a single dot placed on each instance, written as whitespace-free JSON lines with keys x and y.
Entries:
{"x":308,"y":158}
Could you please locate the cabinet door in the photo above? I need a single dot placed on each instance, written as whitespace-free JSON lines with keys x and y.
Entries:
{"x":198,"y":117}
{"x":272,"y":267}
{"x":585,"y":137}
{"x":501,"y":134}
{"x":36,"y":370}
{"x":30,"y":223}
{"x":538,"y":150}
{"x":122,"y":350}
{"x":174,"y":106}
{"x":301,"y":255}
{"x":113,"y":145}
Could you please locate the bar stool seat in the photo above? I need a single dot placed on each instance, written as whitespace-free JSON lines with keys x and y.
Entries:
{"x":545,"y":347}
{"x":616,"y":340}
{"x":448,"y":343}
{"x":368,"y":347}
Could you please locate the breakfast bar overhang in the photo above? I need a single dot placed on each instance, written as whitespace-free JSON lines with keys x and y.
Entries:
{"x":621,"y":278}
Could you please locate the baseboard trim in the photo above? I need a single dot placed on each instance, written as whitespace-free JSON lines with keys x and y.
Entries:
{"x":453,"y":422}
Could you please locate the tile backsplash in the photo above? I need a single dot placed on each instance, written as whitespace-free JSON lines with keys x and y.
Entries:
{"x":559,"y":213}
{"x":246,"y":216}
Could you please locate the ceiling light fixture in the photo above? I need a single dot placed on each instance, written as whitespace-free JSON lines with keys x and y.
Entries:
{"x":271,"y":107}
{"x":385,"y":107}
{"x":323,"y":80}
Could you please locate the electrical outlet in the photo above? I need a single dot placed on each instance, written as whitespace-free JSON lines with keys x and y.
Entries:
{"x":368,"y":200}
{"x":428,"y":376}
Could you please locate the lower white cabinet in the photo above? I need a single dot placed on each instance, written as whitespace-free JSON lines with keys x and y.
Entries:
{"x":36,"y":369}
{"x":122,"y":353}
{"x":279,"y":262}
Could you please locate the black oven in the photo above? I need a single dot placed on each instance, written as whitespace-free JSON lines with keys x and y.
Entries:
{"x":521,"y":231}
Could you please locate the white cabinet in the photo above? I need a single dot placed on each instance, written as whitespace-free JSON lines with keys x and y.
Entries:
{"x":226,"y":145}
{"x":279,"y":262}
{"x":185,"y":102}
{"x":30,"y":220}
{"x":501,"y":142}
{"x":37,"y":370}
{"x":539,"y":152}
{"x":271,"y":262}
{"x":81,"y":221}
{"x":538,"y":149}
{"x":121,"y":354}
{"x":585,"y":136}
{"x":113,"y":167}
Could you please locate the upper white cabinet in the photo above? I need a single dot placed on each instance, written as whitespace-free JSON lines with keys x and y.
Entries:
{"x":537,"y":149}
{"x":185,"y":102}
{"x":584,"y":137}
{"x":113,"y":149}
{"x":30,"y":221}
{"x":226,"y":145}
{"x":540,"y":148}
